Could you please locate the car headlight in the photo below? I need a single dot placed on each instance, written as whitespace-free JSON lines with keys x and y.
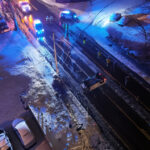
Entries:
{"x":74,"y":16}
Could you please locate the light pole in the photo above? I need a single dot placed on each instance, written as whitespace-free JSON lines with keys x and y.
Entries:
{"x":57,"y":71}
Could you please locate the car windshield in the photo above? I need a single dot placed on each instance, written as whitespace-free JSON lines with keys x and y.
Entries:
{"x":39,"y":26}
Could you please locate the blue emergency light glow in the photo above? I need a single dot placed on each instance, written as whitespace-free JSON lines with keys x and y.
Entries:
{"x":40,"y":31}
{"x":41,"y":38}
{"x":37,"y":21}
{"x":66,"y":12}
{"x":75,"y":16}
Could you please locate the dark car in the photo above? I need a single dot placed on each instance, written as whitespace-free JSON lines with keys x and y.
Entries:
{"x":68,"y":16}
{"x":94,"y":82}
{"x":4,"y":141}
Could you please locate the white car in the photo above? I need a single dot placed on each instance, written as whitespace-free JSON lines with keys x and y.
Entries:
{"x":24,"y":133}
{"x":38,"y":26}
{"x":94,"y":82}
{"x":4,"y":141}
{"x":25,"y":7}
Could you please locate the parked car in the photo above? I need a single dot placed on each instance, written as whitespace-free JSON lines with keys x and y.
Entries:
{"x":23,"y":132}
{"x":68,"y":16}
{"x":94,"y":82}
{"x":25,"y":7}
{"x":4,"y":141}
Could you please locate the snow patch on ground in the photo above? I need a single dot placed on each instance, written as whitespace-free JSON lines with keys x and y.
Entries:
{"x":54,"y":115}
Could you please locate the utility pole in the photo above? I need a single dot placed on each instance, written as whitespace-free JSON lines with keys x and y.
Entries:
{"x":57,"y":71}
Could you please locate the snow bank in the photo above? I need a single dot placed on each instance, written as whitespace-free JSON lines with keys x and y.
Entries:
{"x":134,"y":35}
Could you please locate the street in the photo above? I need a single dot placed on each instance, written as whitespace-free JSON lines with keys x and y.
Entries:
{"x":76,"y":62}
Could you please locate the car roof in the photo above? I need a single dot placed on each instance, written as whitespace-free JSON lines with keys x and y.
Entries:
{"x":22,"y":126}
{"x":66,"y":11}
{"x":37,"y":21}
{"x":25,"y":132}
